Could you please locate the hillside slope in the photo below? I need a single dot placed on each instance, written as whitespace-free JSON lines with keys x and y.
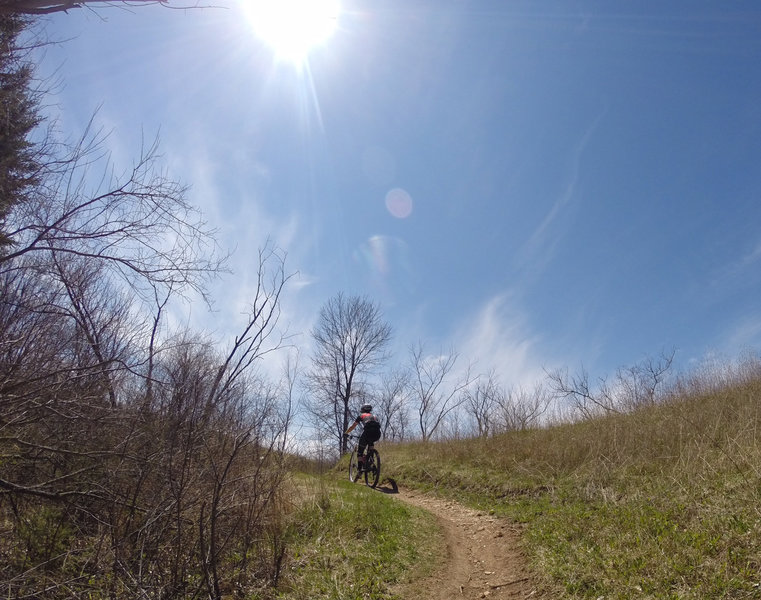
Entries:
{"x":661,"y":503}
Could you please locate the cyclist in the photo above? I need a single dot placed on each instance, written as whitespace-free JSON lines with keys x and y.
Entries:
{"x":371,"y":431}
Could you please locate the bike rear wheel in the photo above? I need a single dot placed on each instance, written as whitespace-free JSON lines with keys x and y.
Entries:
{"x":372,"y":468}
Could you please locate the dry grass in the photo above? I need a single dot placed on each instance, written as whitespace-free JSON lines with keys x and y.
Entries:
{"x":661,"y":503}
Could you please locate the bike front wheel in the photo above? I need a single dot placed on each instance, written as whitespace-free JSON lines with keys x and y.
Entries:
{"x":353,"y":467}
{"x":372,"y":468}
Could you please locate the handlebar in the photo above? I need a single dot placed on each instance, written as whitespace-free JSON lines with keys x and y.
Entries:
{"x":351,"y":440}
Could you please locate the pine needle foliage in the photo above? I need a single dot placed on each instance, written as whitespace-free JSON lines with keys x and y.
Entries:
{"x":19,"y":159}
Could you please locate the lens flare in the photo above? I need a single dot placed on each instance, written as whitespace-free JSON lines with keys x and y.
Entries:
{"x":399,"y":203}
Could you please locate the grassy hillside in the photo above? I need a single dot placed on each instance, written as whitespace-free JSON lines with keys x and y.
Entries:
{"x":662,"y":503}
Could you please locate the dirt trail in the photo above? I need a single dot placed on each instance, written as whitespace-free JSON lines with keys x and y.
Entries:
{"x":484,"y":557}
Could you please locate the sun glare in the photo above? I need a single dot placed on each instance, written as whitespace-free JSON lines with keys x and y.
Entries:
{"x":292,"y":28}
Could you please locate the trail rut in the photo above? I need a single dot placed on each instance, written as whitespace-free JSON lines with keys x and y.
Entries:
{"x":483,"y":555}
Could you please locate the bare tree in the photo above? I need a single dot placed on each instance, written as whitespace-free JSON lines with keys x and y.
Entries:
{"x":587,"y":401}
{"x":350,"y":340}
{"x":140,"y":227}
{"x":260,"y":336}
{"x":392,"y":402}
{"x":435,"y":395}
{"x":101,"y":314}
{"x":289,"y":379}
{"x":68,"y":324}
{"x":134,"y":463}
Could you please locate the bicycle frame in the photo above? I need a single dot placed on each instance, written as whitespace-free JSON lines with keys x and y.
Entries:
{"x":372,"y":463}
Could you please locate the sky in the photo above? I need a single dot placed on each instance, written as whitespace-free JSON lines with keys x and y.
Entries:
{"x":536,"y":184}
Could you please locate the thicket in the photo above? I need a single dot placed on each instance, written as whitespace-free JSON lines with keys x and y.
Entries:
{"x":135,"y":461}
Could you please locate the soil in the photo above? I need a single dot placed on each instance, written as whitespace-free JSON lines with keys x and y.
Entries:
{"x":483,"y":555}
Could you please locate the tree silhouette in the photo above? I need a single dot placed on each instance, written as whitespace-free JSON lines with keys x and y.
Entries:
{"x":44,"y":7}
{"x":19,"y":158}
{"x":350,"y":338}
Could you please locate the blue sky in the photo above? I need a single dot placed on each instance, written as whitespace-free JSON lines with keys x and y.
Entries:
{"x":539,"y":184}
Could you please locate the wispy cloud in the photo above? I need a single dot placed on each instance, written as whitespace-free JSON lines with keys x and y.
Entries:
{"x":737,"y":269}
{"x":745,"y":334}
{"x":498,"y":336}
{"x":752,"y":257}
{"x":247,"y":219}
{"x":538,"y":250}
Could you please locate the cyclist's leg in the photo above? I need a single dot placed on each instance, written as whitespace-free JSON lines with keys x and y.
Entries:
{"x":369,"y":437}
{"x":361,"y":445}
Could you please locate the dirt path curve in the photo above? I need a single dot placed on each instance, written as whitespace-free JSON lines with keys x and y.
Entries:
{"x":484,"y":559}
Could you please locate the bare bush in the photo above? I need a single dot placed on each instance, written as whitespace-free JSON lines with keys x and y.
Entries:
{"x":584,"y":399}
{"x":715,"y":373}
{"x":392,"y":401}
{"x":520,"y":409}
{"x":169,"y":488}
{"x":643,"y":384}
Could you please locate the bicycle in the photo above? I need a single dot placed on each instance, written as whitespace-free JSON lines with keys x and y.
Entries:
{"x":372,"y":466}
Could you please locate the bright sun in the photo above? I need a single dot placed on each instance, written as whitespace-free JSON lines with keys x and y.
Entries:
{"x":292,"y":28}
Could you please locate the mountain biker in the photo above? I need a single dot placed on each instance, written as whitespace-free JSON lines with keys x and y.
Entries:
{"x":371,"y":431}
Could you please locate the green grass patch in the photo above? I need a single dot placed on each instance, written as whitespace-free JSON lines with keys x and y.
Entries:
{"x":350,"y":542}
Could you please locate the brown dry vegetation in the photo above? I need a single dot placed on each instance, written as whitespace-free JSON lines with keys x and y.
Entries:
{"x":179,"y":497}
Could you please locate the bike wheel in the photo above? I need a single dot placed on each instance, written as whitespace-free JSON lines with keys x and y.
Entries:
{"x":353,"y":467}
{"x":373,"y":468}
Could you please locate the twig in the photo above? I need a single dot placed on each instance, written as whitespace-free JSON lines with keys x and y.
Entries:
{"x":494,"y":586}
